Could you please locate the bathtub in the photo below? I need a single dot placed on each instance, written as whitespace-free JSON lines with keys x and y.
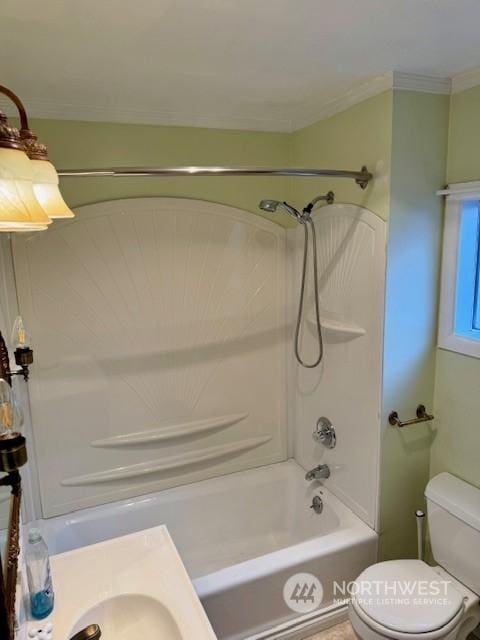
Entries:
{"x":241,"y":536}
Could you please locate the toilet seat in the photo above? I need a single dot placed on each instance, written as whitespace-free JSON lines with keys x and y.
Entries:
{"x":403,"y":599}
{"x":368,"y":629}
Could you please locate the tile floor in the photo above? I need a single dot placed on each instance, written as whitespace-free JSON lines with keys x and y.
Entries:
{"x":342,"y":631}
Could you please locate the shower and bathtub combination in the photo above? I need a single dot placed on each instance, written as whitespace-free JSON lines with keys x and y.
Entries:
{"x":165,"y":373}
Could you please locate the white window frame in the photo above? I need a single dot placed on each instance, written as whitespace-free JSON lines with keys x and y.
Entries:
{"x":456,"y":195}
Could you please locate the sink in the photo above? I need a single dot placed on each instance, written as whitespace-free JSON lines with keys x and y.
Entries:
{"x":130,"y":617}
{"x":134,"y":587}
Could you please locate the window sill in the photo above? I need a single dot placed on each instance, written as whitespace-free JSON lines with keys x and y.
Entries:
{"x":460,"y":345}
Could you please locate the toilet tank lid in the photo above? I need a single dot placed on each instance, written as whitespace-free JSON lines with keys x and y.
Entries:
{"x":455,"y":496}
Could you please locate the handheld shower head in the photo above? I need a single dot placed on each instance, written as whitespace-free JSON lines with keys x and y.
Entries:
{"x":305,"y":219}
{"x":271,"y":206}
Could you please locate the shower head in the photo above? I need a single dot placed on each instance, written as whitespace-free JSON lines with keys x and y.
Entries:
{"x":269,"y":205}
{"x":272,"y":205}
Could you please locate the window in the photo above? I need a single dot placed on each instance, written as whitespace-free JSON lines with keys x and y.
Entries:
{"x":459,"y":326}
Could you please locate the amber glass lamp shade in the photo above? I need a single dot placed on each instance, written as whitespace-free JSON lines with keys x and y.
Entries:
{"x":20,"y":209}
{"x":45,"y":186}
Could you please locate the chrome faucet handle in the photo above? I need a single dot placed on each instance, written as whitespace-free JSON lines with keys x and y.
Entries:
{"x":324,"y":432}
{"x":92,"y":632}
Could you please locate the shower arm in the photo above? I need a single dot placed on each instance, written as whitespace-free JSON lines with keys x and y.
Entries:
{"x":329,"y":198}
{"x":362,"y":177}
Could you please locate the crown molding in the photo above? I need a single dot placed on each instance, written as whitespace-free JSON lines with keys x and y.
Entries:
{"x":51,"y":110}
{"x":466,"y":80}
{"x":396,"y":80}
{"x":312,"y":113}
{"x":271,"y":121}
{"x":424,"y":84}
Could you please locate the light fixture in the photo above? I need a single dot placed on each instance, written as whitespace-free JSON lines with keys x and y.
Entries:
{"x":45,"y":180}
{"x":23,"y":347}
{"x":23,"y":353}
{"x":19,"y":207}
{"x":29,"y":193}
{"x":13,"y":452}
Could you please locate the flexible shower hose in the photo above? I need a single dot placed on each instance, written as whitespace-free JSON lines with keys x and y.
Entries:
{"x":308,"y":222}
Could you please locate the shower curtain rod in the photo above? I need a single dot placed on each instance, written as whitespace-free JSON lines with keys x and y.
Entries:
{"x":361,"y":177}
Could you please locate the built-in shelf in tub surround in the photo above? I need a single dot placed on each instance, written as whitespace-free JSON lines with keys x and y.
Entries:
{"x":174,"y":462}
{"x":337,"y":328}
{"x":171,"y":431}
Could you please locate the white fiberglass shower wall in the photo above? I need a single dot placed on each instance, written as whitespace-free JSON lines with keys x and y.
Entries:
{"x":346,"y":386}
{"x":160,"y":340}
{"x":164,"y":348}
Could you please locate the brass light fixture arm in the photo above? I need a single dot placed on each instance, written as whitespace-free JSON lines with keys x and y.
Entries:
{"x":9,"y":583}
{"x":23,"y":358}
{"x":13,"y":454}
{"x":23,"y":139}
{"x":22,"y":112}
{"x":4,"y":616}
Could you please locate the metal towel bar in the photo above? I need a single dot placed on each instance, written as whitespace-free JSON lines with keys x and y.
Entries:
{"x":422,"y":416}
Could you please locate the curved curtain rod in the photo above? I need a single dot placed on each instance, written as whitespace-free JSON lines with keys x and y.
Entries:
{"x":361,"y":177}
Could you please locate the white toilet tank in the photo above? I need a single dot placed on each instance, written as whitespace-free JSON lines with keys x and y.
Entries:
{"x":454,"y":524}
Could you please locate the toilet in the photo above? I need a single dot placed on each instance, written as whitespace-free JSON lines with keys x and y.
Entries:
{"x":411,"y":600}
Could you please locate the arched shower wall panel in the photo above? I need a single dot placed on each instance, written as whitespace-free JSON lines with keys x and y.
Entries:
{"x":160,"y":340}
{"x":346,"y":387}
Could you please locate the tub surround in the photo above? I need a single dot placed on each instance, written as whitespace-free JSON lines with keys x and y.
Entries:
{"x":351,"y":260}
{"x":155,"y":307}
{"x":150,"y":315}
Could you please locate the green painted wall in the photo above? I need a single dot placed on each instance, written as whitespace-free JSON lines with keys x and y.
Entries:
{"x":360,"y":135}
{"x":457,"y":385}
{"x":457,"y":408}
{"x":463,"y":161}
{"x":419,"y":144}
{"x":73,"y":144}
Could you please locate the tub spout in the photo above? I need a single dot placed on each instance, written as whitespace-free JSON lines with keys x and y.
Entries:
{"x":322,"y":472}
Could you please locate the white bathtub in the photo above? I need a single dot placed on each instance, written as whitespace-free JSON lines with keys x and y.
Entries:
{"x":241,"y":537}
